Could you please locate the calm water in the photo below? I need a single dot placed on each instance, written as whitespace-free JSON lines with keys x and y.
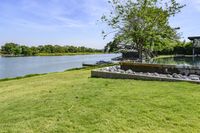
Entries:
{"x":178,"y":61}
{"x":20,"y":66}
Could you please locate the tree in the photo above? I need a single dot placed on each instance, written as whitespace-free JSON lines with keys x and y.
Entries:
{"x":15,"y":49}
{"x":11,"y":49}
{"x":59,"y":49}
{"x":142,"y":23}
{"x":26,"y":51}
{"x":112,"y":46}
{"x":34,"y":50}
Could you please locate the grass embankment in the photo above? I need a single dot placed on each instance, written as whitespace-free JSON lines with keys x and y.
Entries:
{"x":164,"y":56}
{"x":71,"y":101}
{"x":171,"y":56}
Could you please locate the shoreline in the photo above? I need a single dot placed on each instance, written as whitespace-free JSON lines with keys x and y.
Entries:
{"x":52,"y":54}
{"x":40,"y":74}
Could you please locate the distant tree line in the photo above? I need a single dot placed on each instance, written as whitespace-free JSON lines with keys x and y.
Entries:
{"x":168,"y":48}
{"x":16,"y":49}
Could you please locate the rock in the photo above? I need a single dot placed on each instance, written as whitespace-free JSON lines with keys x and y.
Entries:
{"x":117,"y":67}
{"x":121,"y":71}
{"x":185,"y":77}
{"x":175,"y":75}
{"x":156,"y":74}
{"x":141,"y":73}
{"x":113,"y":68}
{"x":117,"y":70}
{"x":169,"y":76}
{"x":194,"y":77}
{"x":112,"y":71}
{"x":106,"y":69}
{"x":180,"y":75}
{"x":162,"y":75}
{"x":149,"y":74}
{"x":129,"y":71}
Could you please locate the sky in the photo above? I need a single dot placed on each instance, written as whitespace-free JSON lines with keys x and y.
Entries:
{"x":72,"y":22}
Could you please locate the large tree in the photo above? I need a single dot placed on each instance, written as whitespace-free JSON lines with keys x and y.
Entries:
{"x":142,"y":23}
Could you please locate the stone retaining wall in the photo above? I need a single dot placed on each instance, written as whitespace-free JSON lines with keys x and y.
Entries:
{"x":102,"y":74}
{"x":159,"y":68}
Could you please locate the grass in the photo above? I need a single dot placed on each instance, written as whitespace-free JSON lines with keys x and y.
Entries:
{"x":171,"y":56}
{"x":22,"y":77}
{"x":164,"y":56}
{"x":71,"y":101}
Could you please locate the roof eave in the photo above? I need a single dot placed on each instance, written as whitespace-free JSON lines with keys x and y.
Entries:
{"x":193,"y":37}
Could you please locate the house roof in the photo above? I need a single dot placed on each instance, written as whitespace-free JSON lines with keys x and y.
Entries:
{"x":193,"y":37}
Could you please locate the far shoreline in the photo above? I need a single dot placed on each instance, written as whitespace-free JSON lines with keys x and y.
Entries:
{"x":54,"y":54}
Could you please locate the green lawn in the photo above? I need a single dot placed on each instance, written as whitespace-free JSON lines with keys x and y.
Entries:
{"x":73,"y":102}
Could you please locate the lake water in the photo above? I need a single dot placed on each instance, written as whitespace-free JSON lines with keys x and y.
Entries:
{"x":178,"y":61}
{"x":20,"y":66}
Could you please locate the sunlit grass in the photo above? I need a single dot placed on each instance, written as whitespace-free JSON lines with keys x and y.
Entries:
{"x":73,"y":102}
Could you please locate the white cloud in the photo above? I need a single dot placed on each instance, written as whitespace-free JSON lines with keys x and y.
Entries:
{"x":53,"y":13}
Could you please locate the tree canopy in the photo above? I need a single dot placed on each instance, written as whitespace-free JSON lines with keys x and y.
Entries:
{"x":143,"y":23}
{"x":16,"y":49}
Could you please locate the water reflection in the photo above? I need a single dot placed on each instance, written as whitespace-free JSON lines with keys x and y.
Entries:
{"x":178,"y":61}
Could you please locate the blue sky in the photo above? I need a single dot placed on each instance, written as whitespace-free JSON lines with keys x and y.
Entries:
{"x":36,"y":22}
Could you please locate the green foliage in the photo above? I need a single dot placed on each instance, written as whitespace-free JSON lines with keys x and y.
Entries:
{"x":22,"y":50}
{"x":72,"y":102}
{"x":143,"y":23}
{"x":181,"y":48}
{"x":11,"y":48}
{"x":26,"y":51}
{"x":112,"y":46}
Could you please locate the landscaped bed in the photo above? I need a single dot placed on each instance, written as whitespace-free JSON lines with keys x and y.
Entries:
{"x":148,"y":72}
{"x":73,"y":102}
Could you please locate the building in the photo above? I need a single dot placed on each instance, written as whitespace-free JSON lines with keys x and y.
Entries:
{"x":195,"y":43}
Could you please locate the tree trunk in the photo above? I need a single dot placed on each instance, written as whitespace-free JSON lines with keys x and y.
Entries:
{"x":140,"y":53}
